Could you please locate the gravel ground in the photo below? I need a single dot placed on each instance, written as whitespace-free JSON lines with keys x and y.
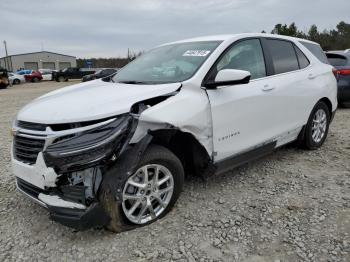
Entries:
{"x":292,"y":205}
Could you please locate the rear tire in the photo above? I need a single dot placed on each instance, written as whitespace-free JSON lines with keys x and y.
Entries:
{"x":35,"y":80}
{"x":156,"y":156}
{"x":317,"y":127}
{"x":16,"y":81}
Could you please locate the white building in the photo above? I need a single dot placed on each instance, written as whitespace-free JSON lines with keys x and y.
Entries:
{"x":36,"y":60}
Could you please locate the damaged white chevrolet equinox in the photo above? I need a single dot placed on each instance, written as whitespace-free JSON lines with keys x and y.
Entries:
{"x":114,"y":152}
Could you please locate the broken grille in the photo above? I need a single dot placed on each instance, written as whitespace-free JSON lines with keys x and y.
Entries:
{"x":31,"y":126}
{"x":27,"y":149}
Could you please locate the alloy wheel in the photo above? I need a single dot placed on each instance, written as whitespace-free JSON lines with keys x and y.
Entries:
{"x":147,"y":193}
{"x":319,"y":125}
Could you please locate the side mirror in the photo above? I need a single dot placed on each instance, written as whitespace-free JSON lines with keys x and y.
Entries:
{"x":229,"y":77}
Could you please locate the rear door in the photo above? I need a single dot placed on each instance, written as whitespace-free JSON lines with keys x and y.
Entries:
{"x":293,"y":82}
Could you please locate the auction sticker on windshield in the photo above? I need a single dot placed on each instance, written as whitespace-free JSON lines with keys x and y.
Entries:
{"x":196,"y":53}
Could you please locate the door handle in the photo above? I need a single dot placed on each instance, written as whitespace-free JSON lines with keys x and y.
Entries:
{"x":267,"y":88}
{"x":311,"y":76}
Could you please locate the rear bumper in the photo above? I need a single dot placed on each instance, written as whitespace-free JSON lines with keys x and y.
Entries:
{"x":68,"y":213}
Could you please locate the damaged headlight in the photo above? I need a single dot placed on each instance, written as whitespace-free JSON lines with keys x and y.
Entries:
{"x":88,"y":147}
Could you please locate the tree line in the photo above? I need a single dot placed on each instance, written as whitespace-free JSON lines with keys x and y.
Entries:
{"x":114,"y":62}
{"x":334,"y":39}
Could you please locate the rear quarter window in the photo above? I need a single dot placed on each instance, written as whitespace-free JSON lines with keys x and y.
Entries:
{"x":316,"y":50}
{"x":303,"y":61}
{"x":337,"y":60}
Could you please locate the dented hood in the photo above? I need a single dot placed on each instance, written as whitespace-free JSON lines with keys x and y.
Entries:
{"x":89,"y":101}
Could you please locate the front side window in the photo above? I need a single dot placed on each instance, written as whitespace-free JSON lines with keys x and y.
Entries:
{"x":167,"y":64}
{"x":283,"y":56}
{"x":246,"y":55}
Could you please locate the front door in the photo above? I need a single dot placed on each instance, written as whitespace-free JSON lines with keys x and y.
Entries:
{"x":241,"y":114}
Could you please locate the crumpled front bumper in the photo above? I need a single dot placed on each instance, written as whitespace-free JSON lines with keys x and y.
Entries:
{"x":71,"y":214}
{"x":52,"y":181}
{"x":34,"y":180}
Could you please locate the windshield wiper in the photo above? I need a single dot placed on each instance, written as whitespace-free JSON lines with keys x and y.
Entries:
{"x":132,"y":82}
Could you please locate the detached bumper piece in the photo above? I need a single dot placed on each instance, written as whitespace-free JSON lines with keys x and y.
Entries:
{"x":68,"y":213}
{"x":80,"y":219}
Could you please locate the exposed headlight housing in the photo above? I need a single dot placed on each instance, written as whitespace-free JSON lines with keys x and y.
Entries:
{"x":89,"y":147}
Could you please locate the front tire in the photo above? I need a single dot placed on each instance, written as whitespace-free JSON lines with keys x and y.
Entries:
{"x":148,"y":194}
{"x":16,"y":81}
{"x":316,"y":129}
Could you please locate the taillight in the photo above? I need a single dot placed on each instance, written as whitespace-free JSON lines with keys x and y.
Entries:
{"x":335,"y":72}
{"x":343,"y":72}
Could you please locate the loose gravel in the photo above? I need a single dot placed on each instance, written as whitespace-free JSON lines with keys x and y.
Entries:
{"x":292,"y":205}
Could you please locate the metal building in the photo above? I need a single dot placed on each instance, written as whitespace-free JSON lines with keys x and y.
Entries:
{"x":36,"y":60}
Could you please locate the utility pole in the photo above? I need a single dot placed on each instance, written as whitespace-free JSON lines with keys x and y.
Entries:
{"x":6,"y":62}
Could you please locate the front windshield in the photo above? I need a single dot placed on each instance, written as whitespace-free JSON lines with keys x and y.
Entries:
{"x":167,"y":64}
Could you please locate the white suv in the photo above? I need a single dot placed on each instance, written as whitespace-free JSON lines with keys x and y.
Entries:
{"x":114,"y":152}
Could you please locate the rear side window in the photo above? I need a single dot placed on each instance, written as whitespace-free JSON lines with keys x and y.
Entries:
{"x":283,"y":56}
{"x":303,"y":61}
{"x":316,"y":50}
{"x":337,"y":60}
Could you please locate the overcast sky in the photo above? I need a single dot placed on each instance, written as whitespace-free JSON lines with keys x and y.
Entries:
{"x":106,"y":28}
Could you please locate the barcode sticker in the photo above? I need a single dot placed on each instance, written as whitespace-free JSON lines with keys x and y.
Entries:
{"x":196,"y":53}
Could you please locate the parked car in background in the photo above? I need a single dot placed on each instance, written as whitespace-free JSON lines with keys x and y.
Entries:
{"x":4,"y":80}
{"x":100,"y":74}
{"x":16,"y":79}
{"x":114,"y":152}
{"x":46,"y":74}
{"x":341,"y":61}
{"x":35,"y":76}
{"x":31,"y":75}
{"x":71,"y":73}
{"x":24,"y":72}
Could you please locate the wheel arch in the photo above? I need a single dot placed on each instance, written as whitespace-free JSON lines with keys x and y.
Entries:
{"x":328,"y":103}
{"x":192,"y":154}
